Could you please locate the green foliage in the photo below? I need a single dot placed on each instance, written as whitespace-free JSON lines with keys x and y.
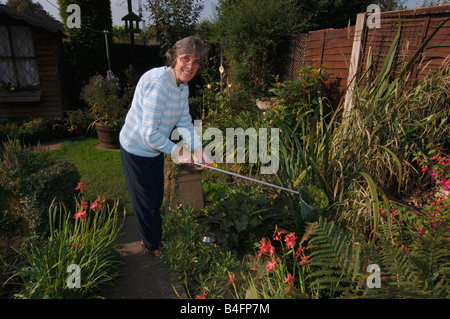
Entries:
{"x":300,"y":95}
{"x":26,"y":6}
{"x":55,"y":182}
{"x":95,"y":18}
{"x":108,"y":101}
{"x":251,"y":32}
{"x":338,"y":259}
{"x":18,"y":163}
{"x":414,"y":253}
{"x":186,"y":254}
{"x":238,"y":210}
{"x":87,"y":41}
{"x":174,"y":19}
{"x":27,"y":131}
{"x":34,"y":182}
{"x":392,"y":118}
{"x":87,"y":242}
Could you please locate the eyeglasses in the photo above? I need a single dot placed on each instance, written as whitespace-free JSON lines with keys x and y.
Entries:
{"x":188,"y":60}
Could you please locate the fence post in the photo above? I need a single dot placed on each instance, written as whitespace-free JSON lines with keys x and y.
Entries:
{"x":354,"y":61}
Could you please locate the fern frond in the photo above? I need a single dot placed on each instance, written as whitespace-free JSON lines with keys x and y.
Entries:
{"x":337,"y":259}
{"x":423,"y":272}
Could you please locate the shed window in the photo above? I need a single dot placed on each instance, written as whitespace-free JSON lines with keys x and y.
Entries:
{"x":17,"y":57}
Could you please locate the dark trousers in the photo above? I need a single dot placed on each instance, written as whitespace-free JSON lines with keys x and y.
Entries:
{"x":145,"y":183}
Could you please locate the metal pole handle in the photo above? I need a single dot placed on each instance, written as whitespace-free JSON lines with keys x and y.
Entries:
{"x":247,"y":178}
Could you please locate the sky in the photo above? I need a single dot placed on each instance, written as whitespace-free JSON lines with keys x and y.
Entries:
{"x":119,"y":8}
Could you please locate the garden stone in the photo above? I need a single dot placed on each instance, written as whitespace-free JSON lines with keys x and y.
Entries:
{"x":189,"y":187}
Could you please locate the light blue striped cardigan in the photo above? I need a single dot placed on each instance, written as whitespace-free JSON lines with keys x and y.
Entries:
{"x":158,"y":106}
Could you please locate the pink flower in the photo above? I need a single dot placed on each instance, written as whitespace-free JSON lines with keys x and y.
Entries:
{"x":271,"y":265}
{"x":231,"y":280}
{"x":290,"y":240}
{"x":80,"y":213}
{"x":80,"y":187}
{"x":266,"y":247}
{"x":289,"y":279}
{"x":277,"y":234}
{"x":83,"y":205}
{"x":95,"y":205}
{"x":203,"y":296}
{"x":299,"y":251}
{"x":304,"y":260}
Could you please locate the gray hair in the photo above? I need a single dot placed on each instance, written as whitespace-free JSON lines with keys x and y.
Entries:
{"x":190,"y":45}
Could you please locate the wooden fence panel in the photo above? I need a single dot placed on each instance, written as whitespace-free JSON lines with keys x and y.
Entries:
{"x":333,"y":47}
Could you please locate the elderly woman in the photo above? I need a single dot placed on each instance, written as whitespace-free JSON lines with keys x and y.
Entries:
{"x":160,"y":104}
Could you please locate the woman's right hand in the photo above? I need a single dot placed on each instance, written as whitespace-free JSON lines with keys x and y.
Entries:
{"x":182,"y":156}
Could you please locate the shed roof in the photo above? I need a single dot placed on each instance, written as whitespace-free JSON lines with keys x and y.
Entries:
{"x":36,"y":20}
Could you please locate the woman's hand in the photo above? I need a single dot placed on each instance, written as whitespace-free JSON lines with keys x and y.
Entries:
{"x":201,"y":157}
{"x":182,"y":156}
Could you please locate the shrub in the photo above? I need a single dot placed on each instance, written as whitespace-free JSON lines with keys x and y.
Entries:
{"x":251,"y":33}
{"x":34,"y":180}
{"x":55,"y":182}
{"x":27,"y":131}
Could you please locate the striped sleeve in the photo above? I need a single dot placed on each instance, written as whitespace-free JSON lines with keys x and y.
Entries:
{"x":186,"y":122}
{"x":153,"y":101}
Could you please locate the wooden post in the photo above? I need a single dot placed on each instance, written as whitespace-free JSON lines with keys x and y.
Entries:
{"x":354,"y":62}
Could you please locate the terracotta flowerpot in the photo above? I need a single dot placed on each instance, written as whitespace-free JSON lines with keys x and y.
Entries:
{"x":108,"y":137}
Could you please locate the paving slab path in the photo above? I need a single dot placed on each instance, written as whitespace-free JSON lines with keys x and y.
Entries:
{"x":143,"y":275}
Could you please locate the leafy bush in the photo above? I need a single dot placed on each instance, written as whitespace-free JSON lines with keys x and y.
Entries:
{"x":28,"y":131}
{"x":34,"y":180}
{"x":251,"y":33}
{"x":300,"y":95}
{"x":239,"y":211}
{"x":55,"y":182}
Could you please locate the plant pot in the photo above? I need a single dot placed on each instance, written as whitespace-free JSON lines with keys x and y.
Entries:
{"x":108,"y":137}
{"x":313,"y":202}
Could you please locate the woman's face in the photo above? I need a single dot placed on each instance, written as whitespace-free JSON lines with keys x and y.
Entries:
{"x":186,"y":67}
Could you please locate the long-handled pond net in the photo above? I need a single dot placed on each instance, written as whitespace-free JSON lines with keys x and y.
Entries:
{"x":246,"y":177}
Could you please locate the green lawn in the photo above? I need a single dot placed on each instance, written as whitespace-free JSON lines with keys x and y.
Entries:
{"x":101,"y":170}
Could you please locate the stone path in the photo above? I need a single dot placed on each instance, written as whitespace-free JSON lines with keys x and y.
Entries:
{"x":144,"y":276}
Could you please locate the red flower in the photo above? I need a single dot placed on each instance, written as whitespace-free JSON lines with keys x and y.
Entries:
{"x":299,"y":251}
{"x":203,"y":296}
{"x":277,"y":234}
{"x":289,"y":279}
{"x":271,"y":265}
{"x":266,"y":247}
{"x":290,"y":240}
{"x":95,"y":205}
{"x":304,"y":260}
{"x":231,"y":280}
{"x":80,"y":213}
{"x":80,"y":187}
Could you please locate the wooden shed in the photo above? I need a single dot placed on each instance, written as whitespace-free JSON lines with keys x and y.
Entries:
{"x":30,"y":65}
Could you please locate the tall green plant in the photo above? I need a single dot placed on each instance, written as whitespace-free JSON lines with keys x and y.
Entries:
{"x":87,"y":242}
{"x":391,"y":120}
